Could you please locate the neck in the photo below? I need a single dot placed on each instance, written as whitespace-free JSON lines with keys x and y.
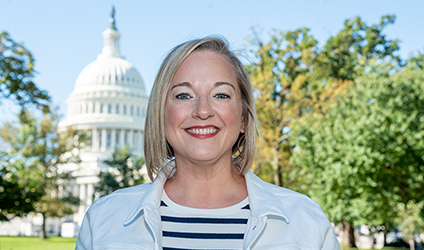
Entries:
{"x":206,"y":185}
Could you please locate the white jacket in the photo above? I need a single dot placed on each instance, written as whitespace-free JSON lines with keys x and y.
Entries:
{"x":279,"y":219}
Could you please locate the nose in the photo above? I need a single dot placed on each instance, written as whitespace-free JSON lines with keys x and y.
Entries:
{"x":203,"y":110}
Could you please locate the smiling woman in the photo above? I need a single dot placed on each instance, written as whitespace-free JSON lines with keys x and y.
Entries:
{"x":199,"y":145}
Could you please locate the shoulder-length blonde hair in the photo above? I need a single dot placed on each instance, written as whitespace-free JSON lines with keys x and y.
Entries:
{"x":157,"y":150}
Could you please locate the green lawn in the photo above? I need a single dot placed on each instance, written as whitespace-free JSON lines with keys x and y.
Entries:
{"x":57,"y":243}
{"x":384,"y":248}
{"x":33,"y":243}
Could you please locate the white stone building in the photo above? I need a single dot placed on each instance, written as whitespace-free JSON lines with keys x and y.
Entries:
{"x":109,"y":102}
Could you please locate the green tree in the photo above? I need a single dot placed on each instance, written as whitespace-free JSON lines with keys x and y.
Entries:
{"x":16,"y":198}
{"x":362,"y":156}
{"x":36,"y":149}
{"x":16,"y":74}
{"x":411,"y":220}
{"x":124,"y":172}
{"x":292,"y":77}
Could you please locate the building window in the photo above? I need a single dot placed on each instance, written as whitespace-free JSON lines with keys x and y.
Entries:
{"x":86,"y":108}
{"x":109,"y":139}
{"x":117,"y":108}
{"x":94,"y":108}
{"x":125,"y":109}
{"x":132,"y":110}
{"x":125,"y":138}
{"x":117,"y":139}
{"x":138,"y":111}
{"x":143,"y":111}
{"x":109,"y":108}
{"x":101,"y":108}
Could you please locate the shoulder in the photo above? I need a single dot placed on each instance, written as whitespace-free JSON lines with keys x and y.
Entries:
{"x":120,"y":202}
{"x":294,"y":204}
{"x":289,"y":196}
{"x":125,"y":193}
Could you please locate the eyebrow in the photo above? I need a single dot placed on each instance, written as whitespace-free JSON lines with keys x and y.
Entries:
{"x":187,"y":84}
{"x":224,"y":83}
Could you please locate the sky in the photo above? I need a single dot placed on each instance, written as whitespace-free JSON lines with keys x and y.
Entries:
{"x":65,"y":36}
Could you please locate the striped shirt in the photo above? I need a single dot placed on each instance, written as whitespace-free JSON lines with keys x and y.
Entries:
{"x":195,"y":228}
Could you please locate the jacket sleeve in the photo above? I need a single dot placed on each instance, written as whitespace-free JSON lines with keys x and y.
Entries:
{"x":330,"y":240}
{"x":85,"y":237}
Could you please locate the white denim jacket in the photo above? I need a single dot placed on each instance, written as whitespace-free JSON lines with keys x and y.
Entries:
{"x":279,"y":219}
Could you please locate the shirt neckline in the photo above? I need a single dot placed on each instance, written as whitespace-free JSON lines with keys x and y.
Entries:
{"x":211,"y":211}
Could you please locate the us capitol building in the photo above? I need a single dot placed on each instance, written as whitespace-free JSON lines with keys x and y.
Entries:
{"x":109,"y":102}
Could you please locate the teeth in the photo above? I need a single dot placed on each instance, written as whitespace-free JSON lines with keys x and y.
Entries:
{"x":204,"y":131}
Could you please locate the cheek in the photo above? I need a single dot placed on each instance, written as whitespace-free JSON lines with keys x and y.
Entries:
{"x":174,"y":115}
{"x":232,"y":114}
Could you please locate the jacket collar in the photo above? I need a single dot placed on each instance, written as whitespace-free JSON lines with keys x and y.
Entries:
{"x":150,"y":199}
{"x":262,"y":201}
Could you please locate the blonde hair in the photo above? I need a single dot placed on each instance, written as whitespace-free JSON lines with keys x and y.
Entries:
{"x":157,"y":150}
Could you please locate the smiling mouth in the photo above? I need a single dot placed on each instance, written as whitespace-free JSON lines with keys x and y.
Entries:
{"x":202,"y":131}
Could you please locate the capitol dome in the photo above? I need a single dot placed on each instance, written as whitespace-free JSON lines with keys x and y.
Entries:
{"x":110,"y":70}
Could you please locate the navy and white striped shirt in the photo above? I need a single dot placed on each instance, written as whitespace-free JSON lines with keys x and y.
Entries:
{"x":195,"y":228}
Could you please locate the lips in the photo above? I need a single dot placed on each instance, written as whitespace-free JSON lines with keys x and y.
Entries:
{"x":202,"y":132}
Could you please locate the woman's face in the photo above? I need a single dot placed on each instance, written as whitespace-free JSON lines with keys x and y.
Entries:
{"x":203,"y":109}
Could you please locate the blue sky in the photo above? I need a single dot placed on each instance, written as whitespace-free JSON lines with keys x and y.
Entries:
{"x":65,"y":36}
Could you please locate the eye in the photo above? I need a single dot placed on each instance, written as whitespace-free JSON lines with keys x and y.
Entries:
{"x":222,"y":96}
{"x":183,"y":96}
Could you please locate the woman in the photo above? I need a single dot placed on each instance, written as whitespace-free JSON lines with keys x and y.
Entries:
{"x":199,"y":145}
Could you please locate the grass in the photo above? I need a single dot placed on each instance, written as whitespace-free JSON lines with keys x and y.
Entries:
{"x":33,"y":243}
{"x":58,"y":243}
{"x":384,"y":248}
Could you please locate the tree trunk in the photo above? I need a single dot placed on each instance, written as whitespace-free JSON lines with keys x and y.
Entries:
{"x":277,"y":171}
{"x":348,"y":240}
{"x":385,"y":234}
{"x":412,"y":243}
{"x":42,"y":235}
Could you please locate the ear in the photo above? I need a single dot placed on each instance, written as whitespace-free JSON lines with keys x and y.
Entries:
{"x":242,"y":126}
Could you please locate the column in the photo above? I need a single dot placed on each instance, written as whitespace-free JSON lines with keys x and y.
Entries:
{"x":95,"y":140}
{"x":103,"y":146}
{"x":131,"y":139}
{"x":113,"y":138}
{"x":82,"y":199}
{"x":139,"y":141}
{"x":121,"y":138}
{"x":90,"y":191}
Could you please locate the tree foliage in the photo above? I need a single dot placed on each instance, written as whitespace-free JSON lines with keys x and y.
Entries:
{"x":411,"y":220}
{"x":293,"y":77}
{"x":35,"y":148}
{"x":364,"y":152}
{"x":124,"y":172}
{"x":16,"y":74}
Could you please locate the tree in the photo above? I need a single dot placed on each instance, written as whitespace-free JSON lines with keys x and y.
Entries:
{"x":292,"y":77}
{"x":16,"y":198}
{"x":16,"y":74}
{"x":124,"y":172}
{"x":35,"y":150}
{"x":364,"y":153}
{"x":411,"y":220}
